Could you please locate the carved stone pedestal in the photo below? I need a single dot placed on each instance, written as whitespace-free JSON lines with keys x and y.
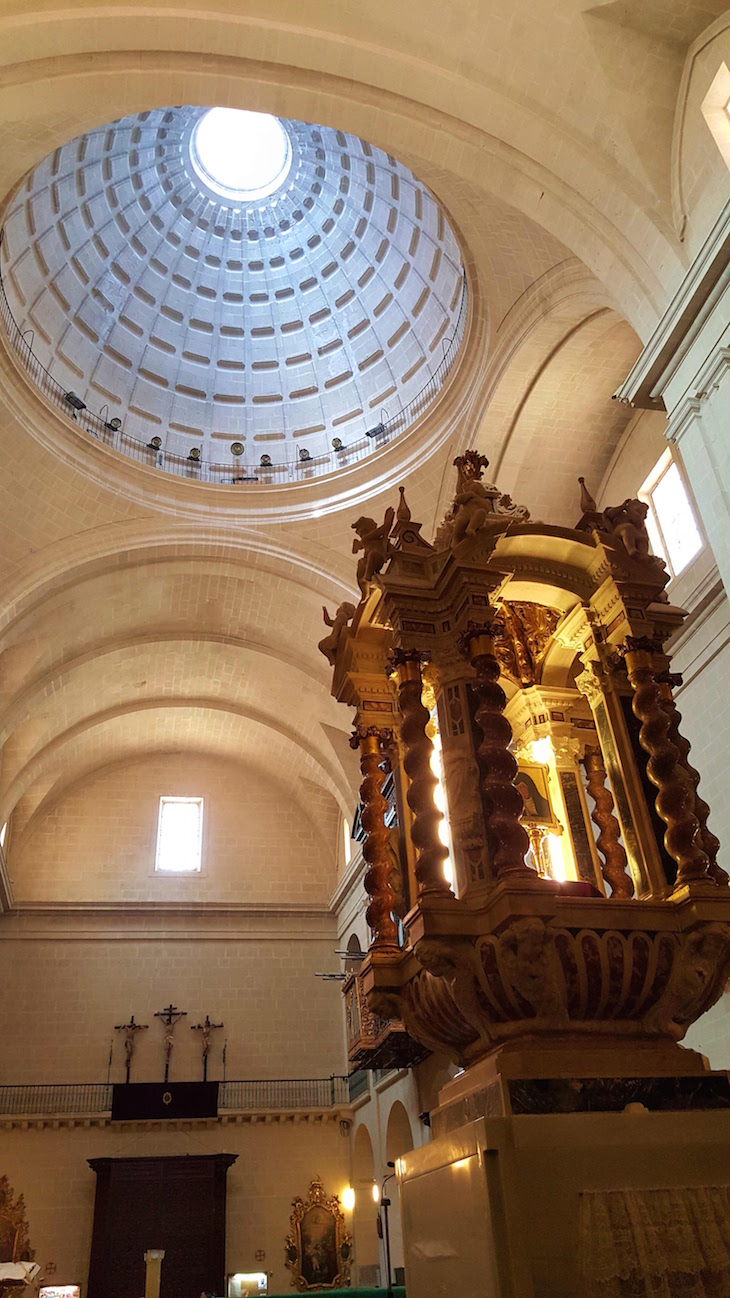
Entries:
{"x":549,"y":1189}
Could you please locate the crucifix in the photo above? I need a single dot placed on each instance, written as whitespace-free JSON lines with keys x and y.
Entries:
{"x":130,"y":1031}
{"x":170,"y":1017}
{"x":206,"y":1029}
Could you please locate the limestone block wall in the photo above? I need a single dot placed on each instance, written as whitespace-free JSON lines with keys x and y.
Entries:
{"x":275,"y":1163}
{"x":67,"y":981}
{"x":97,"y":843}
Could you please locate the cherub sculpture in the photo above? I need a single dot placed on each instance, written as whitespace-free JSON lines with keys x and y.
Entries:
{"x":628,"y":522}
{"x":330,"y":644}
{"x":372,"y":539}
{"x":473,"y":505}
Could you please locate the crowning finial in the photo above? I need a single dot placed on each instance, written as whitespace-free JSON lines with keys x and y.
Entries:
{"x":406,"y":534}
{"x":403,"y":513}
{"x":587,"y":503}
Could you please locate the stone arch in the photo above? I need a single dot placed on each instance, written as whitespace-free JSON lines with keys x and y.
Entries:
{"x":364,"y":1214}
{"x":355,"y":954}
{"x":398,"y":1141}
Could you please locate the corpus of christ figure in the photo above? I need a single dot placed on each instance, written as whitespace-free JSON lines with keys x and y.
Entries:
{"x":130,"y":1031}
{"x":206,"y":1029}
{"x":170,"y":1016}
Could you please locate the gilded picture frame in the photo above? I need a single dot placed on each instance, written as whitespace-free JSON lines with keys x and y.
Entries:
{"x":318,"y":1247}
{"x":532,"y":782}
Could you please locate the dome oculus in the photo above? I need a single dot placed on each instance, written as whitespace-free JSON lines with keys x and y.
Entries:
{"x":240,"y":155}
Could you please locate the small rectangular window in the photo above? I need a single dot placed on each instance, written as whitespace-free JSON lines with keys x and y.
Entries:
{"x":671,"y":523}
{"x":179,"y":836}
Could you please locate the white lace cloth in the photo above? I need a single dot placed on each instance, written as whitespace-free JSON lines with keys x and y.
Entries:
{"x":656,"y":1243}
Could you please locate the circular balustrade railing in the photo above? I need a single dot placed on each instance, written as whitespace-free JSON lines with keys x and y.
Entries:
{"x":236,"y":471}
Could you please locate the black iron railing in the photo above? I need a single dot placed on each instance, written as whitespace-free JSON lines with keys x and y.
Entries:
{"x":267,"y":1094}
{"x":236,"y":472}
{"x":358,"y":1084}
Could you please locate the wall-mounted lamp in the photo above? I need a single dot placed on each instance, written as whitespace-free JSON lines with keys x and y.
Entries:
{"x":376,"y":1192}
{"x":348,"y":1199}
{"x":75,"y":402}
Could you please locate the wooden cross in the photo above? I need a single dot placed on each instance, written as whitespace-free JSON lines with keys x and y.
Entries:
{"x":206,"y":1029}
{"x":130,"y":1030}
{"x":170,"y":1017}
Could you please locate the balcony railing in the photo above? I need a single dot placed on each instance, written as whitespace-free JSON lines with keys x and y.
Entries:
{"x":250,"y":1096}
{"x":236,"y":472}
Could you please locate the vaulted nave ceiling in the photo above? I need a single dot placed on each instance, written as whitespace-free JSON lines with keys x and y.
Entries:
{"x":146,"y":615}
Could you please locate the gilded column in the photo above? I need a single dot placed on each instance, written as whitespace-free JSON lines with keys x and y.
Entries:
{"x":418,"y":749}
{"x":710,"y":842}
{"x":614,"y":869}
{"x":506,"y":837}
{"x":370,"y":740}
{"x":675,"y":800}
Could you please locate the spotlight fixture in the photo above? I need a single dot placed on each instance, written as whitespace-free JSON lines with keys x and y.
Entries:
{"x":236,"y":448}
{"x":377,"y":431}
{"x":114,"y":424}
{"x":338,"y":444}
{"x":75,"y":402}
{"x":154,"y":444}
{"x":332,"y":977}
{"x":265,"y":461}
{"x":194,"y":454}
{"x":304,"y":454}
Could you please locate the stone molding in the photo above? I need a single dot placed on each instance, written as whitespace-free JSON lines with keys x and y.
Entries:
{"x":706,"y":280}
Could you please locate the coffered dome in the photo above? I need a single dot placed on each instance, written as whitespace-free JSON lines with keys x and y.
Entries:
{"x":211,"y":277}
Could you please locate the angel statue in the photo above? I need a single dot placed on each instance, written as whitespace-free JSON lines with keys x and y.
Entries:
{"x":373,"y":541}
{"x":330,"y":644}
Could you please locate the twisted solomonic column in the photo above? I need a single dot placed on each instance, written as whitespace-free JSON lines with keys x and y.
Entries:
{"x":376,"y":848}
{"x":710,"y":842}
{"x":506,"y":837}
{"x":418,"y":749}
{"x":614,"y":867}
{"x":675,"y":799}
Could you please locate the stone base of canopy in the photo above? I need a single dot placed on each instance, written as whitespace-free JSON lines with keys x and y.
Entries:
{"x":598,"y":987}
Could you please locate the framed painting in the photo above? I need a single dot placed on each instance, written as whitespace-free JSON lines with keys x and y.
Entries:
{"x":532,"y":782}
{"x":318,"y":1247}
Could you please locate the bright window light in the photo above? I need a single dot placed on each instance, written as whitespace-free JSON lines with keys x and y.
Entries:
{"x":347,"y":840}
{"x":179,"y":836}
{"x":3,"y":834}
{"x":240,"y":155}
{"x":439,"y":797}
{"x":671,"y":524}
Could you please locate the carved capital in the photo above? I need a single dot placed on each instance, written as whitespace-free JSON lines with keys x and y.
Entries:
{"x":360,"y":734}
{"x":478,"y":637}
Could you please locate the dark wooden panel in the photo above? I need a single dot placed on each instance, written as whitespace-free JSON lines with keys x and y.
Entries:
{"x":178,"y":1204}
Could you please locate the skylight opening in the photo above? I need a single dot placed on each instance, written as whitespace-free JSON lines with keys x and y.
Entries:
{"x":243,"y":156}
{"x":179,"y":836}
